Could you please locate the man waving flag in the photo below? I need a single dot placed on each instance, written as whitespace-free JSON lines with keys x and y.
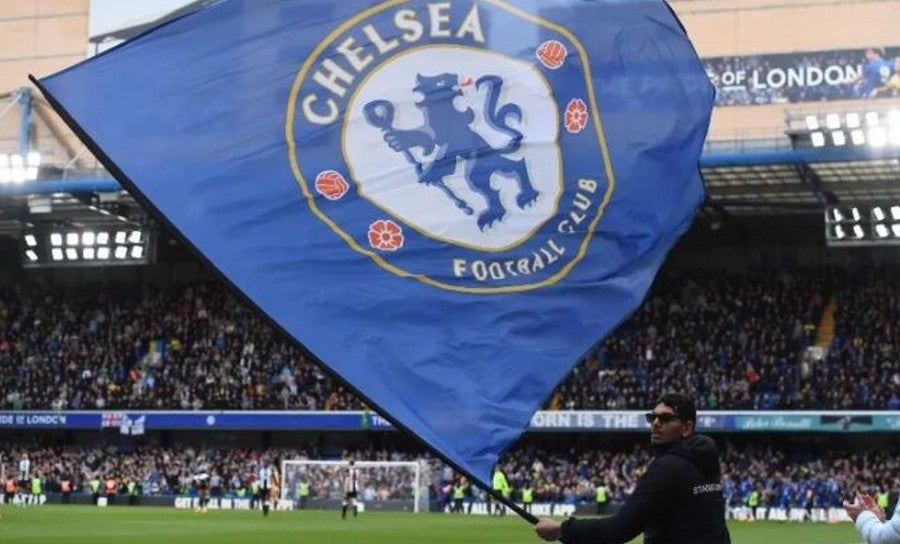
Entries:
{"x":447,"y":203}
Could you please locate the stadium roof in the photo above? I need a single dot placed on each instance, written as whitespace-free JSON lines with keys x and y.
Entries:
{"x":776,"y":182}
{"x":800,"y":181}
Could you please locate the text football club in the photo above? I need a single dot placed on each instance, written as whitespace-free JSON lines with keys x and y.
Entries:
{"x":459,"y":143}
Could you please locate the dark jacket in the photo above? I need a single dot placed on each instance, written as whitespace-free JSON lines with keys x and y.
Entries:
{"x":678,"y":500}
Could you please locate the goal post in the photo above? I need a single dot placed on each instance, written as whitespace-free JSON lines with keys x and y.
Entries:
{"x":390,"y":485}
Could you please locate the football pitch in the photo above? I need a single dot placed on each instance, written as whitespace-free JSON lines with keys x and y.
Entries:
{"x":89,"y":525}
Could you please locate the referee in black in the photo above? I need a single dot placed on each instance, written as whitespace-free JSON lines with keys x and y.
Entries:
{"x":677,"y":501}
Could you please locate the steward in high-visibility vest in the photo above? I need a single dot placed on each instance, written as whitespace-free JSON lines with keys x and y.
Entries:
{"x":133,"y":492}
{"x":303,"y":493}
{"x":95,"y":489}
{"x":527,"y":497}
{"x":753,"y":502}
{"x":37,"y":486}
{"x":601,"y":497}
{"x":459,"y":493}
{"x":500,"y":487}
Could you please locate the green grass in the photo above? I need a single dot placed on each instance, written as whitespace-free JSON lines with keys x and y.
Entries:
{"x":89,"y":525}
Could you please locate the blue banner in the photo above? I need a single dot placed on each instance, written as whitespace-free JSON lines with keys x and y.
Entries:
{"x":447,"y":203}
{"x":542,"y":421}
{"x":138,"y":422}
{"x":49,"y":420}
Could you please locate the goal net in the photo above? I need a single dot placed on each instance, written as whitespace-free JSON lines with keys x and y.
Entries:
{"x":383,"y":485}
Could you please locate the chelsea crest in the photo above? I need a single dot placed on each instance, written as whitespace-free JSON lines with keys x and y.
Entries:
{"x":456,"y":142}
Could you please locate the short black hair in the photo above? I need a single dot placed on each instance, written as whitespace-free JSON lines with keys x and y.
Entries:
{"x":682,"y":405}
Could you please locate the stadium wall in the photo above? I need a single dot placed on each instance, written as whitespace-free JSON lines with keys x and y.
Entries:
{"x":39,"y":37}
{"x":758,"y":27}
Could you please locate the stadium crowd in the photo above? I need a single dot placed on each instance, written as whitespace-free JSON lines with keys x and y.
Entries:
{"x":783,"y":477}
{"x":737,"y":341}
{"x":734,"y":339}
{"x":862,"y":369}
{"x":190,"y":348}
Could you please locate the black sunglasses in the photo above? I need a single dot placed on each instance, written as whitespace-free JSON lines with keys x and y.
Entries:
{"x":663,"y":418}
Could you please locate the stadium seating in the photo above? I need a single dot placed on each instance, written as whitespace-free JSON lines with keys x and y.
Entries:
{"x":735,"y":340}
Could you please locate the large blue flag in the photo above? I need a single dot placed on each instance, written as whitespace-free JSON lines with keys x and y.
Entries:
{"x":448,"y":202}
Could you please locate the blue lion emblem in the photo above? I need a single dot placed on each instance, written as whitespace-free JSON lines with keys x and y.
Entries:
{"x":448,"y":130}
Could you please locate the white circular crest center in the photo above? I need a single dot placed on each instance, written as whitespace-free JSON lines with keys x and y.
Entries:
{"x":457,"y":207}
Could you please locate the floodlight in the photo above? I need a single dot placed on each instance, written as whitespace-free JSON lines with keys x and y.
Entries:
{"x":55,"y":239}
{"x":812,"y":122}
{"x":818,"y":139}
{"x":839,"y":138}
{"x":877,"y":137}
{"x":17,"y":174}
{"x":833,"y":121}
{"x":33,"y":158}
{"x":72,"y":239}
{"x":30,"y":240}
{"x":893,"y":117}
{"x":57,"y":254}
{"x":894,"y":136}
